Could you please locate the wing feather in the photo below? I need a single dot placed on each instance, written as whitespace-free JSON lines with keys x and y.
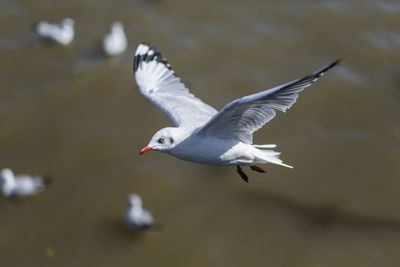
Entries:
{"x":242,"y":117}
{"x":158,"y":82}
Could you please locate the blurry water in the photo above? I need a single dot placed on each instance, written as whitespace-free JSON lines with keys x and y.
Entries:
{"x":72,"y":114}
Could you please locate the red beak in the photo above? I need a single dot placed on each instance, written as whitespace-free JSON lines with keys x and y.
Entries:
{"x":145,"y":149}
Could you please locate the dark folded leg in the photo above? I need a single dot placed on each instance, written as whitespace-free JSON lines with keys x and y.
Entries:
{"x":257,"y":169}
{"x":242,"y":174}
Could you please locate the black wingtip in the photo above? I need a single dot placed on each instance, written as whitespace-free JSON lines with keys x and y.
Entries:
{"x":316,"y":74}
{"x":310,"y":78}
{"x":48,"y":180}
{"x":326,"y":68}
{"x":147,"y":57}
{"x":334,"y":63}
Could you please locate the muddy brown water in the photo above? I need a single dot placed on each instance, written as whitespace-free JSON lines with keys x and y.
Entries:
{"x":70,"y":113}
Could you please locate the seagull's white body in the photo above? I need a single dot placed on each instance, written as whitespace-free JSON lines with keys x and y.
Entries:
{"x":21,"y":185}
{"x":223,"y":152}
{"x":137,"y":218}
{"x":62,"y":33}
{"x":202,"y":134}
{"x":115,"y":42}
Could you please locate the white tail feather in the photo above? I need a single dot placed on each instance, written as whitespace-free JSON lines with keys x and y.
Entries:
{"x":265,"y":146}
{"x":264,"y":156}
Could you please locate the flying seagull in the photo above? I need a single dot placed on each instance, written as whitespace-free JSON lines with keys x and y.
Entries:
{"x":203,"y":134}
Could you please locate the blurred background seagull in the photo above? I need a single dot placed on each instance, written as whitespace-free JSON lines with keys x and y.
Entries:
{"x":137,"y":218}
{"x":204,"y":135}
{"x":62,"y":33}
{"x":115,"y":42}
{"x":21,"y":185}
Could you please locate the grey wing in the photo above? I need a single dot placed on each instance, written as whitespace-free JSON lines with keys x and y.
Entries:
{"x":242,"y":117}
{"x":158,"y":82}
{"x":147,"y":218}
{"x":27,"y":185}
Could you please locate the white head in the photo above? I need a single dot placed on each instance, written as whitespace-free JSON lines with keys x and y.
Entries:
{"x":163,"y":141}
{"x":7,"y":176}
{"x":134,"y":200}
{"x":117,"y":25}
{"x":68,"y":22}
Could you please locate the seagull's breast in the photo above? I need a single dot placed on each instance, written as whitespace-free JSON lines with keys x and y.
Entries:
{"x":214,"y":151}
{"x":7,"y":189}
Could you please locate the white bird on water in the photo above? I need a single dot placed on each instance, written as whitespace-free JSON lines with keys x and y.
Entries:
{"x":62,"y":33}
{"x":115,"y":42}
{"x":202,"y":134}
{"x":137,"y":218}
{"x":21,"y":185}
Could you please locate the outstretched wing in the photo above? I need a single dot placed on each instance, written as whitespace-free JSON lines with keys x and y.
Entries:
{"x":158,"y":82}
{"x":242,"y":117}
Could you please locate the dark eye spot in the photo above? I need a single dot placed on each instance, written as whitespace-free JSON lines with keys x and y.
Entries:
{"x":171,"y":140}
{"x":161,"y":140}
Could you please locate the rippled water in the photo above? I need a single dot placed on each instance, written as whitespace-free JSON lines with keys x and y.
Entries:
{"x":79,"y":117}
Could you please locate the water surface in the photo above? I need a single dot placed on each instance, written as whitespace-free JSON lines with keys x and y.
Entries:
{"x":68,"y":112}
